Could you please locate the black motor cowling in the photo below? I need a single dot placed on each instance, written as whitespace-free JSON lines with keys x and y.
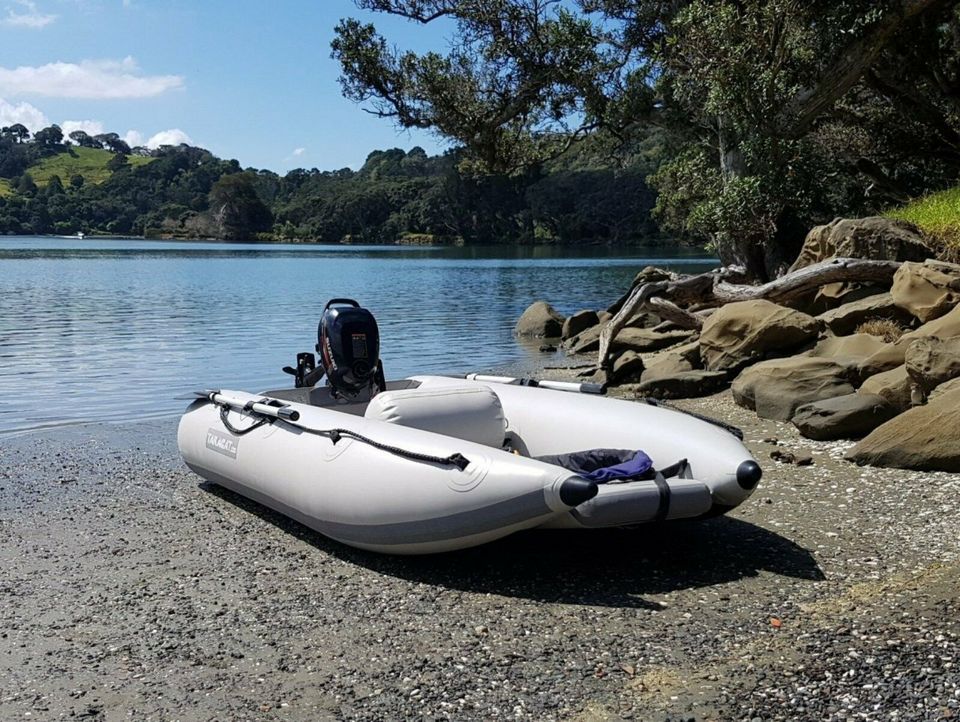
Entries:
{"x":349,"y":347}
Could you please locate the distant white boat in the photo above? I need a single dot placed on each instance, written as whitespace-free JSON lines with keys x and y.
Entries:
{"x":80,"y":235}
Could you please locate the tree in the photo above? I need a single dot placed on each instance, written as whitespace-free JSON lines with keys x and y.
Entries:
{"x":76,"y":181}
{"x":25,"y":185}
{"x":117,"y":162}
{"x":17,"y":131}
{"x":54,"y":186}
{"x":84,"y":139}
{"x":744,"y":85}
{"x":236,"y":209}
{"x":49,"y":136}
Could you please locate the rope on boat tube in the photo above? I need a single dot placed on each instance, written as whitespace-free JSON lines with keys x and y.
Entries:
{"x":457,"y":459}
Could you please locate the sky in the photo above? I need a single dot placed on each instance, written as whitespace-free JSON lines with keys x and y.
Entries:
{"x":246,"y":79}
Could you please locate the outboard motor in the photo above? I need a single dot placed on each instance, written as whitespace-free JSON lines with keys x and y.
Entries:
{"x":349,"y":347}
{"x":348,"y":342}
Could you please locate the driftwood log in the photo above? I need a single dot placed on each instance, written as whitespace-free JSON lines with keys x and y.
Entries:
{"x":706,"y":291}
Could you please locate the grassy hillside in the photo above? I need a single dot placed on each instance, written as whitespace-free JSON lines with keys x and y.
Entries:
{"x":91,"y":163}
{"x":5,"y":189}
{"x":938,"y":216}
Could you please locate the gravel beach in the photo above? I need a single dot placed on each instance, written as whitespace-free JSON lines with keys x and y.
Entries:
{"x":132,"y":591}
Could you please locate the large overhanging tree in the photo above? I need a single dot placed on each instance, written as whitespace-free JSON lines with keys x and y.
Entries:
{"x":743,"y":83}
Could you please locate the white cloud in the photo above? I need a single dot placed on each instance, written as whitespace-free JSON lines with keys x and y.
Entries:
{"x":96,"y":79}
{"x":24,"y":113}
{"x":174,"y":136}
{"x":90,"y":127}
{"x":133,"y":138}
{"x":30,"y":17}
{"x":299,"y":151}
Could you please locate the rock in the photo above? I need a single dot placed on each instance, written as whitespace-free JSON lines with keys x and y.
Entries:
{"x":666,"y":365}
{"x":876,"y":238}
{"x":586,"y":341}
{"x":604,"y":316}
{"x":539,"y":320}
{"x":644,"y":319}
{"x":944,"y":388}
{"x":776,"y":389}
{"x":851,"y":352}
{"x":927,"y":290}
{"x":644,"y":340}
{"x":947,"y":326}
{"x":682,"y":385}
{"x":579,"y":322}
{"x":892,"y":386}
{"x":844,"y":320}
{"x":925,"y":438}
{"x":742,"y":333}
{"x":842,"y":417}
{"x":931,"y":361}
{"x":627,"y":367}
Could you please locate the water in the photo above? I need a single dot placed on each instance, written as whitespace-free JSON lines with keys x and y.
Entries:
{"x":112,"y":330}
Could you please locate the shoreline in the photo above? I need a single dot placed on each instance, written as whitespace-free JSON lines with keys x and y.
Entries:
{"x":132,"y":589}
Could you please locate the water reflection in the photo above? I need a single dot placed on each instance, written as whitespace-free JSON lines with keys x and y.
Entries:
{"x":115,"y":330}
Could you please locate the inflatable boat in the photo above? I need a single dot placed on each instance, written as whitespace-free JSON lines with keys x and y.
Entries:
{"x":432,"y":463}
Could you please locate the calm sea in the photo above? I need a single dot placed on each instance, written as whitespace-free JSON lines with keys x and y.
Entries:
{"x":118,"y":329}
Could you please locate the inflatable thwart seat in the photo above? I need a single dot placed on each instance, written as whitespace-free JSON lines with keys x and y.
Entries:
{"x":474,"y":413}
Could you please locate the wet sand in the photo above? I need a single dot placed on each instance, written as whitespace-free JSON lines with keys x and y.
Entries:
{"x":132,"y":591}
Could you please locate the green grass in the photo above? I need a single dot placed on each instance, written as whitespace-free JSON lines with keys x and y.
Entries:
{"x":5,"y":189}
{"x":91,"y":163}
{"x":938,"y":216}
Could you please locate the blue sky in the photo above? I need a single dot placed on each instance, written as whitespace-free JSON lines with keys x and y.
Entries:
{"x":247,"y":79}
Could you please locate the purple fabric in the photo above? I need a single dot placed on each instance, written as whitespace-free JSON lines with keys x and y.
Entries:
{"x":638,"y":465}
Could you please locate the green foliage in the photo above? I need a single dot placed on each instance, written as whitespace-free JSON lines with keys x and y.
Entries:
{"x":781,"y":113}
{"x":237,"y":209}
{"x":938,"y":216}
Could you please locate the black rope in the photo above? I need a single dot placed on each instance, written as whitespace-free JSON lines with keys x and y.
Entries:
{"x":458,"y":460}
{"x":224,"y":410}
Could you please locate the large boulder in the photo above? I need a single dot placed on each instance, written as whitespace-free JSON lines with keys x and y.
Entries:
{"x":644,"y":340}
{"x":845,"y":319}
{"x":945,"y":388}
{"x":627,"y":367}
{"x":851,"y":352}
{"x":540,"y":320}
{"x":742,"y":333}
{"x":579,"y":322}
{"x":893,"y":386}
{"x":776,"y":389}
{"x":842,"y":417}
{"x":586,"y":341}
{"x":681,"y":385}
{"x":932,"y":361}
{"x":876,"y":238}
{"x":893,"y":355}
{"x":927,"y":290}
{"x":925,"y":438}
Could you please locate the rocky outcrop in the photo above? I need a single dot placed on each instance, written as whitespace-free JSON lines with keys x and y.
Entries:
{"x":944,"y":388}
{"x":931,"y":362}
{"x":893,"y":386}
{"x":579,"y":322}
{"x":925,"y":438}
{"x":739,"y":334}
{"x":851,"y":352}
{"x":681,"y":385}
{"x":586,"y":341}
{"x":927,"y":290}
{"x":844,"y":320}
{"x":644,"y":340}
{"x":540,"y":320}
{"x":947,"y":326}
{"x":627,"y":368}
{"x":876,"y":238}
{"x":776,"y":389}
{"x":842,"y":417}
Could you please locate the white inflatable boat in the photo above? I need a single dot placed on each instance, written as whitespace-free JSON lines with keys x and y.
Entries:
{"x":434,"y":463}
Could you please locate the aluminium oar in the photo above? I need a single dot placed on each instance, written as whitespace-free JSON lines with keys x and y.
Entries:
{"x":574,"y":386}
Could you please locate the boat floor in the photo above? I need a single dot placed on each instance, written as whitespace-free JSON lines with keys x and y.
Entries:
{"x":321,"y":396}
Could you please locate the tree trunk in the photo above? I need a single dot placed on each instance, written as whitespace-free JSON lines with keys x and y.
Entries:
{"x":714,"y":289}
